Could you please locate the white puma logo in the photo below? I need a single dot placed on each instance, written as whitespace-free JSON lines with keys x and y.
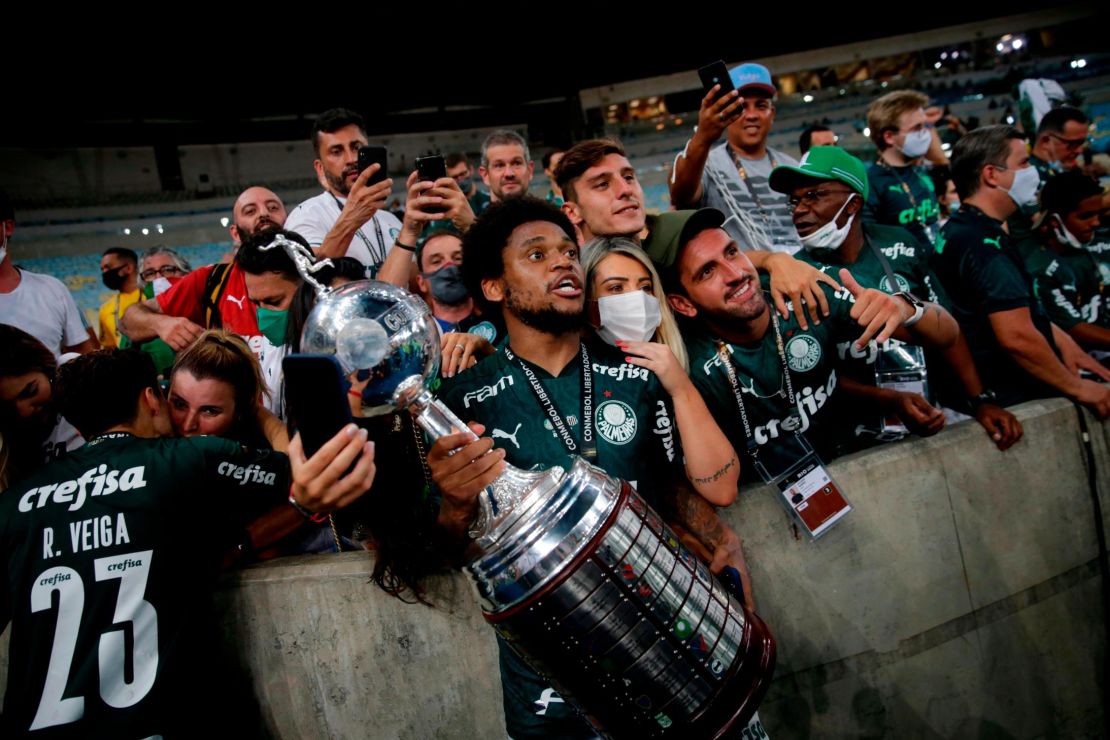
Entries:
{"x":237,"y":301}
{"x":547,"y":697}
{"x":505,"y":435}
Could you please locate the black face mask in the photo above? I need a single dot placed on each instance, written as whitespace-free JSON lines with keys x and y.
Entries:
{"x":114,"y":279}
{"x":446,"y":285}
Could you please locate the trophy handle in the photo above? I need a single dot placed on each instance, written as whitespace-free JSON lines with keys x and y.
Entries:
{"x":499,"y":498}
{"x":437,"y":419}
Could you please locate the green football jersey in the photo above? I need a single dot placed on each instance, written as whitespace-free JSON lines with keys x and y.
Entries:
{"x":633,"y":417}
{"x":635,"y":438}
{"x":902,"y":196}
{"x":907,"y":260}
{"x":1070,"y":287}
{"x":811,"y":359}
{"x":110,"y":554}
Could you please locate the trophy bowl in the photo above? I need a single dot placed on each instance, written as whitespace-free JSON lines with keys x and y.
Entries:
{"x":381,"y":335}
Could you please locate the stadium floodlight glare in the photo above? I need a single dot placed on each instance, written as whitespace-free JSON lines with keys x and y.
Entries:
{"x":807,"y":98}
{"x":1018,"y":43}
{"x":146,"y":231}
{"x":127,"y":232}
{"x":936,"y":66}
{"x":866,"y":130}
{"x":224,"y":222}
{"x":1000,"y":47}
{"x":159,"y":227}
{"x":943,"y":55}
{"x":955,"y":55}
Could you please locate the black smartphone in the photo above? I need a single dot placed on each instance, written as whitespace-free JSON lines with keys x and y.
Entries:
{"x":431,"y":169}
{"x":369,"y":155}
{"x":716,"y":74}
{"x":316,"y":398}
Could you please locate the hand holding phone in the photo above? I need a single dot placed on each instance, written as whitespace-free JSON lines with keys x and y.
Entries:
{"x":369,"y":155}
{"x":716,"y":74}
{"x":316,"y":397}
{"x":430,"y":169}
{"x":718,"y":109}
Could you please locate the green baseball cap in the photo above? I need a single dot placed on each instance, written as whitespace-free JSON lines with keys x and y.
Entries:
{"x":673,"y":229}
{"x":821,"y":163}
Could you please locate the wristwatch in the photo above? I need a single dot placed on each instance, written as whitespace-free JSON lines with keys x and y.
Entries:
{"x":987,"y":396}
{"x":917,"y":306}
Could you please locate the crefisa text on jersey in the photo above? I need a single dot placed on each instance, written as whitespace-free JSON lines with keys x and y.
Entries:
{"x":73,"y":492}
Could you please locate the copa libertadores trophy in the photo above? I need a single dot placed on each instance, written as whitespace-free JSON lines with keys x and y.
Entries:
{"x":575,"y":571}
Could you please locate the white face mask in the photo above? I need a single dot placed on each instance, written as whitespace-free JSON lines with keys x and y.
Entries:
{"x":632,"y":316}
{"x":917,"y":143}
{"x":829,"y":237}
{"x":160,"y":285}
{"x":1066,"y":237}
{"x":1024,"y":190}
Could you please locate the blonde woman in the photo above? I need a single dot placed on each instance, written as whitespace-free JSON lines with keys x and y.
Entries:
{"x":627,"y":308}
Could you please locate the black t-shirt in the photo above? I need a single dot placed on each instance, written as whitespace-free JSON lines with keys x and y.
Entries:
{"x":982,"y":273}
{"x":110,"y":554}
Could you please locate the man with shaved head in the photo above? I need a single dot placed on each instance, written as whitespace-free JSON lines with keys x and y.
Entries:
{"x":215,"y":296}
{"x":255,"y":209}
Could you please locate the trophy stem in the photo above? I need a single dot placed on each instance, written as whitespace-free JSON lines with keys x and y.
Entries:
{"x":497,"y":502}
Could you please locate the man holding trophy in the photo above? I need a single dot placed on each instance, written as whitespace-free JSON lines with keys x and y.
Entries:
{"x":545,"y":395}
{"x":582,"y":580}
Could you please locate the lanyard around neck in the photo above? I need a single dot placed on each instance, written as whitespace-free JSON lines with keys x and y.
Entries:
{"x":562,"y":427}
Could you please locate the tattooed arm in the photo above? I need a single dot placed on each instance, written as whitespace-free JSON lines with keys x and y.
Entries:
{"x":700,"y":527}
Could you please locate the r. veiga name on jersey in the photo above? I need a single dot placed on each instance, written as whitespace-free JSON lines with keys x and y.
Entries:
{"x":103,"y":481}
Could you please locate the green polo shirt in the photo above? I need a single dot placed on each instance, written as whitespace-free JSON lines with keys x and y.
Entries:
{"x":110,"y":554}
{"x":982,"y":273}
{"x":1070,"y":286}
{"x":636,"y":440}
{"x":902,"y":196}
{"x":811,"y":357}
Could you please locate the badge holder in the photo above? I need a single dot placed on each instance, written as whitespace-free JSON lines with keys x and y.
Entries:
{"x":808,"y":491}
{"x":901,"y":368}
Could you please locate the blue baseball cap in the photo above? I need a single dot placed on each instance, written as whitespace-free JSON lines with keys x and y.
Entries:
{"x":750,"y":75}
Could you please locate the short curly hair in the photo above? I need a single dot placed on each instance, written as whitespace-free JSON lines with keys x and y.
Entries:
{"x":484,"y":243}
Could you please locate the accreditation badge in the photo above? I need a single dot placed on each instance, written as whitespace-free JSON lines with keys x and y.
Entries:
{"x":808,"y":491}
{"x":900,"y":367}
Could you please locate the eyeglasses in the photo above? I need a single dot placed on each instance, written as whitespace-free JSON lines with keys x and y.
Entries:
{"x":1070,"y":143}
{"x":810,"y":197}
{"x":166,"y":272}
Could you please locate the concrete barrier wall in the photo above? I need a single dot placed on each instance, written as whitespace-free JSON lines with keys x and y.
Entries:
{"x":961,"y":598}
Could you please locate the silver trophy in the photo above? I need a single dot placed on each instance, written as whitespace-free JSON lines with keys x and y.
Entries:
{"x":574,"y":569}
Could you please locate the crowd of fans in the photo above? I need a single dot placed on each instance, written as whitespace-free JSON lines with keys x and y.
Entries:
{"x":782,"y":311}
